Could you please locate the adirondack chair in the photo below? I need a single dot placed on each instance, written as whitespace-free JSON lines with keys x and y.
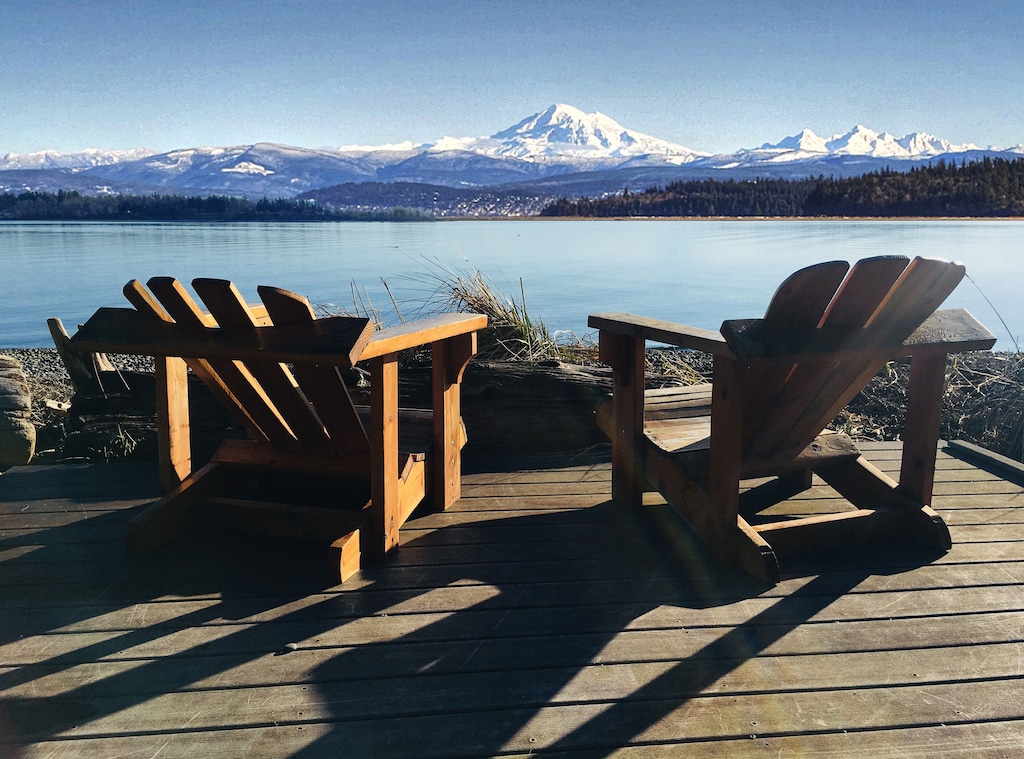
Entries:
{"x":778,"y":382}
{"x":276,"y":367}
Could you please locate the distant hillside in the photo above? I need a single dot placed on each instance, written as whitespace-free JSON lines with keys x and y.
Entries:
{"x":73,"y":206}
{"x":990,"y":187}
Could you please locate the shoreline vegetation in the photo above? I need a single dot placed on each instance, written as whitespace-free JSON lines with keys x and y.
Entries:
{"x":992,"y":188}
{"x":983,"y":403}
{"x":74,"y":206}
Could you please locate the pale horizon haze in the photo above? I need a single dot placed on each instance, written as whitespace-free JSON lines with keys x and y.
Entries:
{"x":714,"y":77}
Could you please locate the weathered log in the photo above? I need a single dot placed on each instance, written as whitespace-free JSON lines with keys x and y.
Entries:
{"x":122,"y":423}
{"x":505,"y":406}
{"x":524,"y":406}
{"x":84,"y":369}
{"x":17,"y":433}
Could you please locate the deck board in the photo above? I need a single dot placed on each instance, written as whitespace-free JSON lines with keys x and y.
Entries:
{"x":532,"y":616}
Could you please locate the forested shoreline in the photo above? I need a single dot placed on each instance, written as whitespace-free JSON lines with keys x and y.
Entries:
{"x":986,"y":188}
{"x":989,"y":188}
{"x":74,"y":206}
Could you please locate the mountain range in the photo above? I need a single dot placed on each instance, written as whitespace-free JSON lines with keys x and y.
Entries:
{"x":560,"y":151}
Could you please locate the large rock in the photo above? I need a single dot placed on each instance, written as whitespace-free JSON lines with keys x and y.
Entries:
{"x":17,"y":433}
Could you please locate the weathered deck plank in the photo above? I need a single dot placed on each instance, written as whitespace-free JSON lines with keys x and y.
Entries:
{"x":532,"y":616}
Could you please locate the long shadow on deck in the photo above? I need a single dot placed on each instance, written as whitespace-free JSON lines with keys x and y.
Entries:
{"x":464,"y":679}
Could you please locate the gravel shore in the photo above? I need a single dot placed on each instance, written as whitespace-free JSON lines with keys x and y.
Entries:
{"x":48,"y":379}
{"x":983,"y":402}
{"x":44,"y":364}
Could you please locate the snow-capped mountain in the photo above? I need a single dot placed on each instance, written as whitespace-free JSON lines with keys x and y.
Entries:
{"x":563,"y":130}
{"x":52,"y":159}
{"x":560,"y":135}
{"x":805,"y":141}
{"x":866,"y":142}
{"x":255,"y":170}
{"x":559,"y":140}
{"x":560,"y":149}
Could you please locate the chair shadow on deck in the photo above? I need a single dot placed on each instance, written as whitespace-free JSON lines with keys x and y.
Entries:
{"x":553,"y":652}
{"x":101,"y":581}
{"x":473,"y":679}
{"x":501,"y":668}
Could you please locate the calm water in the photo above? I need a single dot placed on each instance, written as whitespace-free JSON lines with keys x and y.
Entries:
{"x":695,"y":272}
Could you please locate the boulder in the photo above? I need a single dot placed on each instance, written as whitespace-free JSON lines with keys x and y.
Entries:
{"x":17,"y":433}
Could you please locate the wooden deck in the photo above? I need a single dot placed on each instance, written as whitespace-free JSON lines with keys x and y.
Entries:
{"x":533,"y":617}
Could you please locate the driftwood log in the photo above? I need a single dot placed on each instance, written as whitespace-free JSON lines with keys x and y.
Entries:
{"x":113,"y":416}
{"x":518,"y":406}
{"x":17,"y":433}
{"x":546,"y":405}
{"x":82,"y":368}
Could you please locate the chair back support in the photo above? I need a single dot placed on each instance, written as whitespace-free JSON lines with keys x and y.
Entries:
{"x":304,"y":407}
{"x":856,"y":320}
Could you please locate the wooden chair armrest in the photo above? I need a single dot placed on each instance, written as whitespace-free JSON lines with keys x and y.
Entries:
{"x":422,"y":332}
{"x":952,"y":330}
{"x":658,"y":330}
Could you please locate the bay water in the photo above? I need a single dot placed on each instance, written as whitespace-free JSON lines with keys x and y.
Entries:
{"x":697,"y":272}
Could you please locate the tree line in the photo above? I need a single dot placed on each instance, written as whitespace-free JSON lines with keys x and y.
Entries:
{"x":991,"y":187}
{"x":70,"y":205}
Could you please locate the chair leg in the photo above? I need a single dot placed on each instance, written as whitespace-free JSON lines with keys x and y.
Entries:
{"x":797,"y":481}
{"x":921,"y":433}
{"x":382,"y":532}
{"x":626,"y":357}
{"x":449,"y":359}
{"x":345,"y":556}
{"x":721,"y":520}
{"x":172,"y":419}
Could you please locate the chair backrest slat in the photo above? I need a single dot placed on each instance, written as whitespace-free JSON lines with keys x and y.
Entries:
{"x":242,"y":393}
{"x":322,"y":384}
{"x":863,"y":291}
{"x":805,"y":294}
{"x":231,"y":312}
{"x":922,"y":288}
{"x":145,"y":303}
{"x":798,"y":303}
{"x":916,"y":294}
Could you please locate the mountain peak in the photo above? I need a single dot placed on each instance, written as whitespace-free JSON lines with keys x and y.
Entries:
{"x":805,"y":140}
{"x":865,"y":141}
{"x":922,"y":143}
{"x":561,"y":123}
{"x":563,"y":129}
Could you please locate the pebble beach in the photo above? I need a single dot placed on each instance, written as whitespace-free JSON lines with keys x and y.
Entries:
{"x":48,"y":379}
{"x":44,"y":364}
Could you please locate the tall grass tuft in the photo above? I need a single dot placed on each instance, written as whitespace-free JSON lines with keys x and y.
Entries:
{"x":512,"y":334}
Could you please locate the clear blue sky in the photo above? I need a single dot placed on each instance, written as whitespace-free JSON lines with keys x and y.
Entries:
{"x":714,"y":75}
